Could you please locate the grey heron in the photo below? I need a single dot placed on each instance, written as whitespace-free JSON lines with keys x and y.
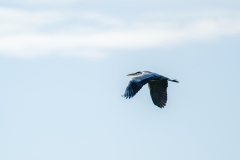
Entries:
{"x":157,"y":84}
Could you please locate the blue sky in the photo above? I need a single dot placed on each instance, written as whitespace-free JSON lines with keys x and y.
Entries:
{"x":63,"y":68}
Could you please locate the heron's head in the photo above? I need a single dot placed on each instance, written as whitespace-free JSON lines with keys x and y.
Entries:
{"x":135,"y":74}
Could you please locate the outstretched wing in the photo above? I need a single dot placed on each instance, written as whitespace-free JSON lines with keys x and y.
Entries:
{"x":136,"y":84}
{"x":132,"y":89}
{"x":158,"y":91}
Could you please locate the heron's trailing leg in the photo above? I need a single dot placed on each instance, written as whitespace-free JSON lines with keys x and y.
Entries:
{"x":174,"y":80}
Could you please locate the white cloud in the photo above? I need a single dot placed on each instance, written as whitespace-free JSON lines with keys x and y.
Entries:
{"x":72,"y":33}
{"x":44,"y":2}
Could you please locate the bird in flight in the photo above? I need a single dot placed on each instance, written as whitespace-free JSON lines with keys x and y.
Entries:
{"x":157,"y":84}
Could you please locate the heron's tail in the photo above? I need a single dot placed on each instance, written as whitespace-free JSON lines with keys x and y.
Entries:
{"x":174,"y":80}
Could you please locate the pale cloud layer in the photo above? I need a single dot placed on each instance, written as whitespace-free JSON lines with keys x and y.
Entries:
{"x":43,"y":2}
{"x":91,"y":34}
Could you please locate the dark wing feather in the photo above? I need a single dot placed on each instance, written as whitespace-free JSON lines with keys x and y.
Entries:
{"x":158,"y":91}
{"x":132,"y":89}
{"x":136,"y":84}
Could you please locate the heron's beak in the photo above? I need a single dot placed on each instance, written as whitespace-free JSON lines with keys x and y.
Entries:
{"x":132,"y":74}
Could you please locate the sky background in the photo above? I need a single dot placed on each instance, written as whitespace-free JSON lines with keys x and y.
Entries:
{"x":63,"y":67}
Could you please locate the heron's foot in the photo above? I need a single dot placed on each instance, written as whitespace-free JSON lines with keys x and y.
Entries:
{"x":175,"y":81}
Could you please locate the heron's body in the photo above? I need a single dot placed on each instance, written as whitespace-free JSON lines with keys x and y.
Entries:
{"x":157,"y":84}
